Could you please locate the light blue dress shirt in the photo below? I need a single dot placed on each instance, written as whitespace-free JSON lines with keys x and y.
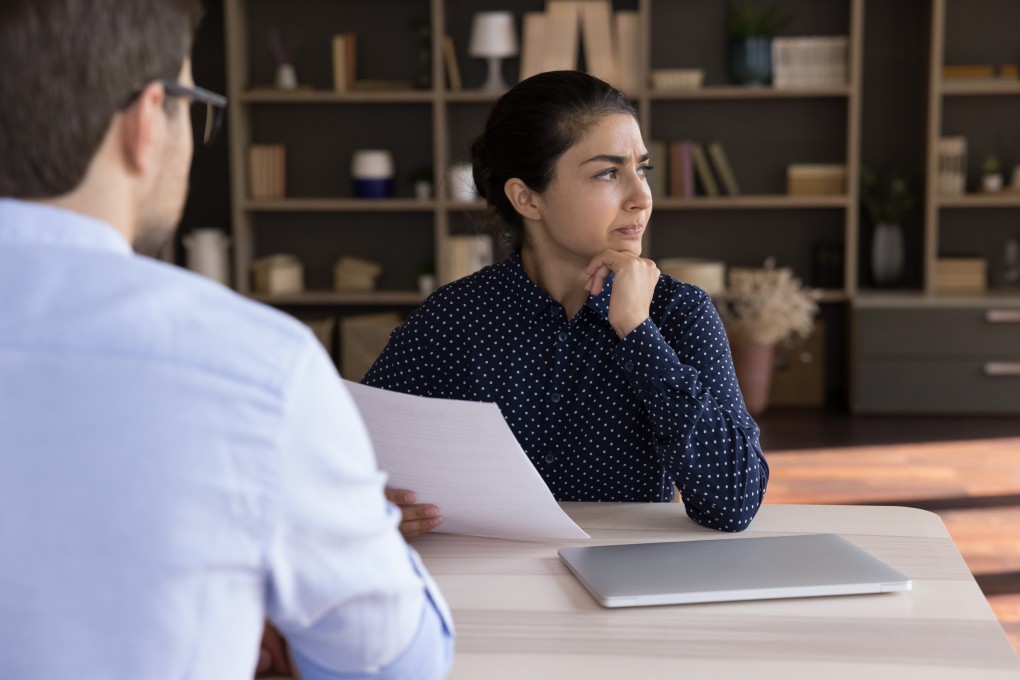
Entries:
{"x":176,"y":463}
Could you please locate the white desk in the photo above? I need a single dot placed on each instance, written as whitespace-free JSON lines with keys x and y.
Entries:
{"x":521,"y":615}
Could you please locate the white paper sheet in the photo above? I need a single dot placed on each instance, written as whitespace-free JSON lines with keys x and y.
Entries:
{"x":461,"y":456}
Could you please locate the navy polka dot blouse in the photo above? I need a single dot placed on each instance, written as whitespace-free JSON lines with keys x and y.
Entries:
{"x":602,"y":419}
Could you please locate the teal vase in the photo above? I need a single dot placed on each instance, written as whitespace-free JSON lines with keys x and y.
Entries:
{"x":749,"y":61}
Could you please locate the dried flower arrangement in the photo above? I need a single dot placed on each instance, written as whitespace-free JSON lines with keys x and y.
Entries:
{"x":767,"y":305}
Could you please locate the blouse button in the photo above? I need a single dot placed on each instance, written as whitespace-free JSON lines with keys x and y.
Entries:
{"x":555,"y":397}
{"x":563,"y":336}
{"x":629,"y":365}
{"x":549,"y":458}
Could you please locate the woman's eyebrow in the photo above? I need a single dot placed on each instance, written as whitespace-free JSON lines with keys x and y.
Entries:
{"x":609,"y":158}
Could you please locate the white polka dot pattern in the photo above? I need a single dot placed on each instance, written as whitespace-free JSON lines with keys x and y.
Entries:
{"x":602,"y":419}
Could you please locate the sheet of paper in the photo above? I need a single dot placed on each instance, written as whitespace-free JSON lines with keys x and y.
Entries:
{"x":461,"y":456}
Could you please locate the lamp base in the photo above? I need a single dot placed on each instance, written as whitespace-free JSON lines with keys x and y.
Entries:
{"x":495,"y":82}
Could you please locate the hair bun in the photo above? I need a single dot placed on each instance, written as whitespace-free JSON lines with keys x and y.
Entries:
{"x":481,"y":170}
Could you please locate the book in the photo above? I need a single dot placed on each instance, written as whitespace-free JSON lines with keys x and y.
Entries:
{"x":704,"y":172}
{"x":815,"y":179}
{"x":681,"y":170}
{"x":450,"y":58}
{"x":561,"y":35}
{"x":533,"y":51}
{"x":267,"y":164}
{"x":658,"y":178}
{"x":628,"y":50}
{"x":722,"y":169}
{"x":597,"y":40}
{"x":340,"y":63}
{"x":351,"y":42}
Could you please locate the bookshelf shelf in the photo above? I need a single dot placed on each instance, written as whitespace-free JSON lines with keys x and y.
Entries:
{"x":762,"y":202}
{"x":958,"y":88}
{"x":339,"y":205}
{"x":1003,"y":199}
{"x":471,"y":96}
{"x":309,"y":96}
{"x":733,"y":92}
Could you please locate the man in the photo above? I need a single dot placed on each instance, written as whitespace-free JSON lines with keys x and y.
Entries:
{"x":176,"y":463}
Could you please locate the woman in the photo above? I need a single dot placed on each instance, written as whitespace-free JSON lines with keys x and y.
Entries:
{"x":616,"y":379}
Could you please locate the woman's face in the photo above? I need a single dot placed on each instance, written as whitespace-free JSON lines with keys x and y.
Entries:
{"x":599,"y":197}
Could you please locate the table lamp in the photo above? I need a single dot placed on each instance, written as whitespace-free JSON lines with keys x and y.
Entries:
{"x":493,"y":38}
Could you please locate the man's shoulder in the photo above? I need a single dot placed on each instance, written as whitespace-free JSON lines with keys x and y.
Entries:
{"x":211,"y":327}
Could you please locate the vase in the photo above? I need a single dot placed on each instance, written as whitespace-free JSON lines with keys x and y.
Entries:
{"x":749,"y":61}
{"x":887,"y":254}
{"x":752,"y":362}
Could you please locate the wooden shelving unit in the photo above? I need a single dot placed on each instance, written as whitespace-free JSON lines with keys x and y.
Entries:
{"x":955,"y":107}
{"x":445,"y":122}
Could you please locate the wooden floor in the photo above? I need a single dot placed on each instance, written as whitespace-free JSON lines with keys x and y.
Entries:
{"x":965,"y":469}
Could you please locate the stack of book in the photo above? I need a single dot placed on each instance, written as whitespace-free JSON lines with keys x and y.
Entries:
{"x":611,"y":41}
{"x":961,"y":275}
{"x":815,"y":179}
{"x":267,"y":170}
{"x":812,"y":61}
{"x":686,"y":169}
{"x":952,"y":166}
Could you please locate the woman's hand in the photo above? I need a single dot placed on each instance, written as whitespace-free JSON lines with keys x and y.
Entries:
{"x":633,"y":285}
{"x":415,"y":519}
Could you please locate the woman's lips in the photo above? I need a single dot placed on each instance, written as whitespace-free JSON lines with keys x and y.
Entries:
{"x":631,"y":231}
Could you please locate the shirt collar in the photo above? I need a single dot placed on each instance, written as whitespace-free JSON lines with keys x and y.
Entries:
{"x":533,"y":301}
{"x":41,"y":224}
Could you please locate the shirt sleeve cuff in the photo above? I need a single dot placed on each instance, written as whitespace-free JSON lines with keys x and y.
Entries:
{"x":428,"y":655}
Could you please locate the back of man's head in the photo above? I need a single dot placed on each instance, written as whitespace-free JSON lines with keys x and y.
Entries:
{"x":67,"y":67}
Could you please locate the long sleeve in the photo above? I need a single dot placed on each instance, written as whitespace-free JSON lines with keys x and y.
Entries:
{"x":683,"y":374}
{"x":346,"y":591}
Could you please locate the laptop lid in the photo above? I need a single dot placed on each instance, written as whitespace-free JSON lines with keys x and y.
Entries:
{"x":726,"y":569}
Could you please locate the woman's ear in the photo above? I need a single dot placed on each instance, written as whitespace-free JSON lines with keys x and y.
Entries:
{"x":524,"y":200}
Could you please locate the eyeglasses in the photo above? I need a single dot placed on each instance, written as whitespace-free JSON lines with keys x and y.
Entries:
{"x":206,"y":111}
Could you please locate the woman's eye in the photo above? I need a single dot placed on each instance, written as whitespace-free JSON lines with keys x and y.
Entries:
{"x":643,"y":170}
{"x":608,"y":173}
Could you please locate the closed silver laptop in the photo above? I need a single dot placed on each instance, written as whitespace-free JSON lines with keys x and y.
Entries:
{"x":726,"y":569}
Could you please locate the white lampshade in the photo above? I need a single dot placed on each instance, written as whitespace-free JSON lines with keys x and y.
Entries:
{"x":493,"y":35}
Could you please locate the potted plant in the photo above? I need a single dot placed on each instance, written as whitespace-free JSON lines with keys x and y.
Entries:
{"x":760,"y":308}
{"x":991,"y":174}
{"x":749,"y":31}
{"x":885,"y":199}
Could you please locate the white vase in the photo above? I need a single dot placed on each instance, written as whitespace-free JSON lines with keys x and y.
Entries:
{"x":887,"y":254}
{"x":286,"y":77}
{"x":207,"y":253}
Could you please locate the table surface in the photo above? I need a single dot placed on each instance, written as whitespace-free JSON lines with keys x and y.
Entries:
{"x":520,"y":614}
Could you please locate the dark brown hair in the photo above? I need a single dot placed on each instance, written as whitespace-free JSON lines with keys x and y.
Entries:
{"x":67,"y":67}
{"x":527,"y":131}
